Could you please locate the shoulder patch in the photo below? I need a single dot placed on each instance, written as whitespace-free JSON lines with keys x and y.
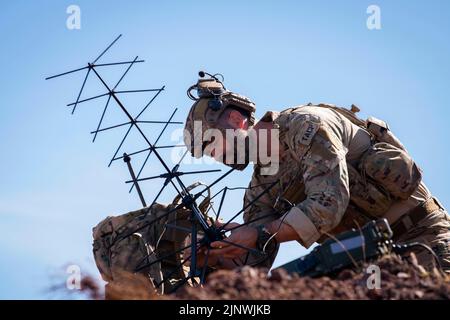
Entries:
{"x":300,"y":135}
{"x":297,"y":130}
{"x":302,"y":128}
{"x":307,"y":132}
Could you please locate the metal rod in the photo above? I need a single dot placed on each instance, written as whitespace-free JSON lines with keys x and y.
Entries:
{"x":109,"y":128}
{"x":156,"y":141}
{"x":173,"y":226}
{"x":205,"y":267}
{"x":167,"y":278}
{"x":249,"y":204}
{"x":159,"y":121}
{"x":142,"y":167}
{"x":193,"y":265}
{"x":116,"y":63}
{"x":150,"y":222}
{"x":125,"y":123}
{"x":175,"y":168}
{"x":141,"y":90}
{"x":104,"y":51}
{"x":81,"y":90}
{"x":151,"y":100}
{"x":156,"y":147}
{"x":159,"y":193}
{"x":238,"y":188}
{"x":241,"y":246}
{"x":127,"y":160}
{"x":164,"y":257}
{"x":90,"y":65}
{"x":101,"y":119}
{"x":125,"y":73}
{"x":68,"y":72}
{"x":215,"y":182}
{"x":221,"y":203}
{"x":88,"y":99}
{"x":250,"y":221}
{"x":121,"y":143}
{"x":174,"y":174}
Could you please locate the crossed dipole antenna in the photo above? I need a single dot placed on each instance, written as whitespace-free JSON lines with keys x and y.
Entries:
{"x":171,"y":176}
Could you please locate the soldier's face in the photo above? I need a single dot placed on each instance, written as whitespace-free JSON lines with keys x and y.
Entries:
{"x":233,"y":119}
{"x":235,"y":124}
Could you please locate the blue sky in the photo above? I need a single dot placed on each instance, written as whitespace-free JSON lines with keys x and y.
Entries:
{"x":55,"y":183}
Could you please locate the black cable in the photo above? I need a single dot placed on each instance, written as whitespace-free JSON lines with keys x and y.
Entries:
{"x":189,"y":94}
{"x":401,"y":248}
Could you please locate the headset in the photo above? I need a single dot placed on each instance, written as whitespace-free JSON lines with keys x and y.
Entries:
{"x":209,"y":91}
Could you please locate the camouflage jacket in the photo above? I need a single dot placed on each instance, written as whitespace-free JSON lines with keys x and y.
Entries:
{"x":318,"y":148}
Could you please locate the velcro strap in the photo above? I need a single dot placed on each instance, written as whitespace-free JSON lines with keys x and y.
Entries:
{"x":414,"y":216}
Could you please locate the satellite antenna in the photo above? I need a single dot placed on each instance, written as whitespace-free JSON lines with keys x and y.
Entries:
{"x":171,"y":176}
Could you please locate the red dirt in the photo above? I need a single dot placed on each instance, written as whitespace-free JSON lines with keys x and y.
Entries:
{"x":399,"y":280}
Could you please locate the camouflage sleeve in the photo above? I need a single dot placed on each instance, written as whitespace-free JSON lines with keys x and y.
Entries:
{"x":258,"y":204}
{"x":258,"y":209}
{"x":321,"y":157}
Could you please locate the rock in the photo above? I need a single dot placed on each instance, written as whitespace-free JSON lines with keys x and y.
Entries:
{"x":403,"y":275}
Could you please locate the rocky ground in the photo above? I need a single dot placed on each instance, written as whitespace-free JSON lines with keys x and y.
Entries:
{"x":399,"y":280}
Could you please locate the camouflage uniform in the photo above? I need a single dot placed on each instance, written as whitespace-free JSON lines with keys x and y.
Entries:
{"x":321,"y":152}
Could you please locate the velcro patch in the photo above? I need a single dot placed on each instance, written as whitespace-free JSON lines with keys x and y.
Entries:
{"x":305,"y":133}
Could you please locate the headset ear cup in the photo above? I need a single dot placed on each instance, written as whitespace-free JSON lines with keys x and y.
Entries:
{"x":215,"y":104}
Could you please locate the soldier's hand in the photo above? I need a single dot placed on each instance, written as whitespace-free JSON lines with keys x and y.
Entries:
{"x":234,"y":246}
{"x":213,"y":261}
{"x":201,"y":255}
{"x":237,"y":243}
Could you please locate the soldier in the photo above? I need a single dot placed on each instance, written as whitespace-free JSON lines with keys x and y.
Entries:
{"x":329,"y":172}
{"x":335,"y":172}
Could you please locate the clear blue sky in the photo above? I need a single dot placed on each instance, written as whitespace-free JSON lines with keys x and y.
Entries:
{"x":55,"y":185}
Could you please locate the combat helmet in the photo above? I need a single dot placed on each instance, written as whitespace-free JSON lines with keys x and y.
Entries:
{"x":211,"y":101}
